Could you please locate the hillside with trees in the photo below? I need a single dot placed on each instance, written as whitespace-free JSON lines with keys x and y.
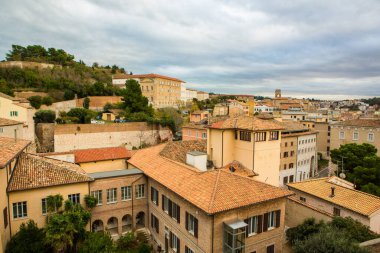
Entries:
{"x":62,"y":82}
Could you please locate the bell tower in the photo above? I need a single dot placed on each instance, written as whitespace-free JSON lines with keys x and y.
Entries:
{"x":277,"y":93}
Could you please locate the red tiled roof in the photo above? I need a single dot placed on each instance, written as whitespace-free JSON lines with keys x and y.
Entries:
{"x":212,"y":191}
{"x":33,"y":171}
{"x":10,"y":148}
{"x":101,"y":154}
{"x":247,"y":123}
{"x":9,"y":122}
{"x":151,"y":75}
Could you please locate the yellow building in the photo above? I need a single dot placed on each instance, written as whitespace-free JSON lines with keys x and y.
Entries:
{"x":19,"y":110}
{"x":254,"y":142}
{"x":161,"y":91}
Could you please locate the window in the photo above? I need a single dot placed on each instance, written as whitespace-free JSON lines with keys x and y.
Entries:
{"x":272,"y":220}
{"x":336,"y":211}
{"x":245,"y":136}
{"x":1,"y":130}
{"x":75,"y":198}
{"x":291,"y":165}
{"x":188,"y":250}
{"x":13,"y":113}
{"x":174,"y":242}
{"x":44,"y":206}
{"x":291,"y":179}
{"x":270,"y":249}
{"x":155,"y":223}
{"x":261,"y":136}
{"x":291,"y":143}
{"x":273,"y":135}
{"x":286,"y":154}
{"x":5,"y":216}
{"x":98,"y":195}
{"x":140,"y":191}
{"x":355,"y":136}
{"x":292,"y":153}
{"x":192,"y":224}
{"x":111,"y":195}
{"x":126,"y":193}
{"x":341,"y":135}
{"x":174,"y":211}
{"x":154,"y":195}
{"x":20,"y":210}
{"x":285,"y":180}
{"x":371,"y":137}
{"x":303,"y":199}
{"x":165,"y":204}
{"x":286,"y":144}
{"x":204,"y":135}
{"x":253,"y":225}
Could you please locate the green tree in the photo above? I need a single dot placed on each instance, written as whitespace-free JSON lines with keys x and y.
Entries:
{"x":54,"y":203}
{"x":134,"y":101}
{"x":29,"y":238}
{"x":35,"y":101}
{"x":127,"y":242}
{"x":107,"y":107}
{"x":82,"y":114}
{"x":86,"y":103}
{"x":44,"y":116}
{"x":352,"y":229}
{"x":47,"y":100}
{"x":303,"y":231}
{"x":97,"y":242}
{"x":90,"y":201}
{"x":69,"y":95}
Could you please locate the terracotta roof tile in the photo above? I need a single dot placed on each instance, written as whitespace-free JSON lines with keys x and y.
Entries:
{"x":151,"y":75}
{"x":212,"y":191}
{"x":33,"y":171}
{"x":9,"y":122}
{"x":10,"y":148}
{"x":247,"y":123}
{"x":101,"y":154}
{"x":177,"y":151}
{"x":357,"y":201}
{"x":361,"y":123}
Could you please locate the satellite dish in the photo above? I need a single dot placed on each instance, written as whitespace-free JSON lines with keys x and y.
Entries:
{"x":342,"y":175}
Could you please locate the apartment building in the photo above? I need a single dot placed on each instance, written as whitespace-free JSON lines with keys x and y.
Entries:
{"x":252,"y":141}
{"x":205,"y":210}
{"x":338,"y":198}
{"x":11,"y":128}
{"x":355,"y":131}
{"x":18,"y":110}
{"x":201,"y":95}
{"x":298,"y":153}
{"x":198,"y":116}
{"x":161,"y":91}
{"x":193,"y":131}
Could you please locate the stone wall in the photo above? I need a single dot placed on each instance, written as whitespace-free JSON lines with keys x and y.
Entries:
{"x":26,"y":64}
{"x":45,"y":137}
{"x":133,"y":134}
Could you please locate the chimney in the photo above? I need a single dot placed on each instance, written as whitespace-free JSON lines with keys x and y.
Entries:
{"x":332,"y":192}
{"x":197,"y":159}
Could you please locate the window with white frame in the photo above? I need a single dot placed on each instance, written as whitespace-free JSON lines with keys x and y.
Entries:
{"x":126,"y":193}
{"x":140,"y":191}
{"x":272,"y":219}
{"x":1,"y":130}
{"x":75,"y":198}
{"x":44,"y":206}
{"x":188,"y":250}
{"x":253,"y":224}
{"x":154,"y":195}
{"x":341,"y":135}
{"x":98,"y":196}
{"x":165,"y":204}
{"x":20,"y":210}
{"x":111,"y":195}
{"x":371,"y":137}
{"x":355,"y":136}
{"x":204,"y":135}
{"x":174,"y":242}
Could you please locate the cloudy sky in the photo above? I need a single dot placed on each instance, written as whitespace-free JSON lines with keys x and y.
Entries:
{"x":324,"y":49}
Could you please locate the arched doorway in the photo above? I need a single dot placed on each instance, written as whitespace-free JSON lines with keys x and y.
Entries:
{"x":112,"y":226}
{"x":140,"y":220}
{"x":126,"y":223}
{"x":97,"y":226}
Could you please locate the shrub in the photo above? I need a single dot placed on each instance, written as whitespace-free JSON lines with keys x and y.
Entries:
{"x":44,"y":116}
{"x":35,"y":101}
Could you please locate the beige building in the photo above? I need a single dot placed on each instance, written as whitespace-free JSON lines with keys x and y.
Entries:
{"x":11,"y":128}
{"x":201,"y":95}
{"x":18,"y":110}
{"x":254,"y":142}
{"x":194,"y":131}
{"x":337,"y":198}
{"x":355,"y":131}
{"x":161,"y":91}
{"x":212,"y":210}
{"x":198,"y":116}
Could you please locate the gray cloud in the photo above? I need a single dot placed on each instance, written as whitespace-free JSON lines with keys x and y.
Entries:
{"x":319,"y":48}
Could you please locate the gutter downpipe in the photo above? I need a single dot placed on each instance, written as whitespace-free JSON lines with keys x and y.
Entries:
{"x":222,"y":148}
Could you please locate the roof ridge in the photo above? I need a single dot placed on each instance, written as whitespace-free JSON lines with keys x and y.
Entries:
{"x":214,"y":191}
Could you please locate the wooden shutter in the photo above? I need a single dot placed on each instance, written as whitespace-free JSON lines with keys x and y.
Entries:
{"x":170,"y":208}
{"x":186,"y":249}
{"x":151,"y":193}
{"x":260,"y":224}
{"x":246,"y":228}
{"x":265,"y":226}
{"x":170,"y":239}
{"x":178,"y":214}
{"x":178,"y":245}
{"x":158,"y":198}
{"x":151,"y":220}
{"x":278,"y":218}
{"x":163,"y":201}
{"x":186,"y":220}
{"x":196,"y":227}
{"x":157,"y":226}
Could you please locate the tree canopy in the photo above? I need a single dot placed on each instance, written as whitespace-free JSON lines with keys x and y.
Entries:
{"x":134,"y":101}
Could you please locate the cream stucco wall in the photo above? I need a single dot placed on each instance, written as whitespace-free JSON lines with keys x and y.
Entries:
{"x":14,"y":131}
{"x":100,"y":166}
{"x":34,"y":198}
{"x":4,"y":232}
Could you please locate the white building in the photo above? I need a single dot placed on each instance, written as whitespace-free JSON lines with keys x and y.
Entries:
{"x":306,"y":157}
{"x":263,"y":108}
